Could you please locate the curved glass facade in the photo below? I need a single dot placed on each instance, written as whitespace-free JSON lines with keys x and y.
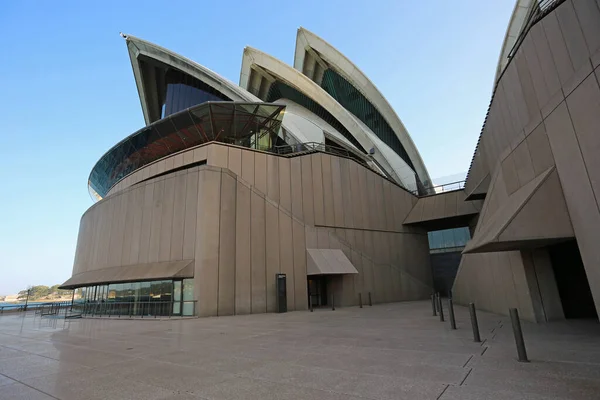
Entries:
{"x":354,"y":101}
{"x":279,"y":90}
{"x":184,"y":91}
{"x":251,"y":125}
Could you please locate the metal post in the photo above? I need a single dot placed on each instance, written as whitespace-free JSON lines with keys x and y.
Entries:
{"x":360,"y":300}
{"x":516,"y":325}
{"x":310,"y":305}
{"x":72,"y":299}
{"x":451,"y":312}
{"x":474,"y":324}
{"x":27,"y":299}
{"x":370,"y":302}
{"x":441,"y":307}
{"x":433,"y":307}
{"x":332,"y":303}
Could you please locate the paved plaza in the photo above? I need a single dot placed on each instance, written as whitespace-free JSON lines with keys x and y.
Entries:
{"x":390,"y":351}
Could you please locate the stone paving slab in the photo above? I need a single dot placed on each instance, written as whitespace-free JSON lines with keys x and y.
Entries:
{"x":390,"y":351}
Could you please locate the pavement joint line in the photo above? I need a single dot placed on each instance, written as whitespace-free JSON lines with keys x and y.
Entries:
{"x":470,"y":357}
{"x":482,"y":343}
{"x":443,"y":391}
{"x":484,"y":350}
{"x":31,"y":387}
{"x":466,"y":376}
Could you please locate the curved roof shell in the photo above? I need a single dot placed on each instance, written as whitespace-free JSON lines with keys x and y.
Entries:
{"x":314,"y":57}
{"x":260,"y":71}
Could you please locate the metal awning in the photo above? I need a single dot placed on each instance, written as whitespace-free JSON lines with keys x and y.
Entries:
{"x":327,"y":262}
{"x":132,"y":273}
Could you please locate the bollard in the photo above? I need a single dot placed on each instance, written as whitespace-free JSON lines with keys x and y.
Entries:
{"x":516,"y":325}
{"x":441,"y":307}
{"x":433,"y":305}
{"x":474,"y":323}
{"x":451,"y":313}
{"x":370,"y":302}
{"x":332,"y":303}
{"x":310,"y":306}
{"x":360,"y":300}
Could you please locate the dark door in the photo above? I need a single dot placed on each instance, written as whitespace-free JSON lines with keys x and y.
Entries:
{"x":571,"y":280}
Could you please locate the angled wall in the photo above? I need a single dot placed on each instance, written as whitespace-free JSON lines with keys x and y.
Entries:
{"x":543,"y":119}
{"x":246,"y":215}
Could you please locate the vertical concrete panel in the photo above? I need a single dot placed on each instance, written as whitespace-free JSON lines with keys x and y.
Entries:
{"x":157,"y":206}
{"x":257,"y":251}
{"x":177,"y":161}
{"x":327,"y":190}
{"x":286,"y":256}
{"x":572,"y":34}
{"x":539,"y":149}
{"x":307,"y":190}
{"x":346,"y":193}
{"x":529,"y":95}
{"x":359,"y":287}
{"x":130,"y":206}
{"x":535,"y":71}
{"x":364,"y":198}
{"x":523,"y":163}
{"x":227,"y":245}
{"x":188,"y":157}
{"x":200,"y":154}
{"x":166,"y":225}
{"x":273,"y":178}
{"x":372,"y":201}
{"x":367,"y":277}
{"x":136,"y":232}
{"x":296,"y":186}
{"x":218,"y":155}
{"x":176,"y":247}
{"x":285,"y":183}
{"x":338,"y":203}
{"x":272,"y":253}
{"x":389,"y":206}
{"x":300,"y":282}
{"x":317,"y":185}
{"x":509,"y":172}
{"x":146,"y":223}
{"x":191,"y":212}
{"x":206,"y":276}
{"x":357,"y":207}
{"x":260,"y":172}
{"x":560,"y":54}
{"x":243,"y":275}
{"x":234,"y":161}
{"x":584,"y":109}
{"x":544,"y":55}
{"x":115,"y":242}
{"x":248,"y":166}
{"x":588,"y":15}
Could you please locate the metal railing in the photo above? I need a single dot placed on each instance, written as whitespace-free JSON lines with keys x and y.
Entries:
{"x":446,"y":187}
{"x":142,"y":309}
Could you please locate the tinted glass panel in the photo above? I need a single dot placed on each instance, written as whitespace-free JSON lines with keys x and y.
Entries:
{"x":355,"y":102}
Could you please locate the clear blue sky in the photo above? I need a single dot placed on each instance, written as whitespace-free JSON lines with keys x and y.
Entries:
{"x":67,"y":92}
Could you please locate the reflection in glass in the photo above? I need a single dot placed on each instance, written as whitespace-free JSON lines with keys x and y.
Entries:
{"x":448,"y":240}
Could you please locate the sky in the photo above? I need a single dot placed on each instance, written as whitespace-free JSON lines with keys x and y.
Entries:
{"x":67,"y":92}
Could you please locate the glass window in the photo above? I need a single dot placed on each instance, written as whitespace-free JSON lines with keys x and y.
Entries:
{"x":188,"y":297}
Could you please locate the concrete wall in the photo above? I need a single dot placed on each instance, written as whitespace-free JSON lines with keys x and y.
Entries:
{"x":247,"y":215}
{"x":545,"y":112}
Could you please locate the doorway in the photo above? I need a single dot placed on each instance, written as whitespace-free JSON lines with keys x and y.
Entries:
{"x":571,"y":280}
{"x":317,"y":290}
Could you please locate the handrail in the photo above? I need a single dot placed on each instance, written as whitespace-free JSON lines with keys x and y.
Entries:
{"x":446,"y":187}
